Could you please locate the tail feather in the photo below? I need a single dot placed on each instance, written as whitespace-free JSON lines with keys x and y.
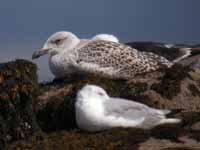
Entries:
{"x":166,"y":111}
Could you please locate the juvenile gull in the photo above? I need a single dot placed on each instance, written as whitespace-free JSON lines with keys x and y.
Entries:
{"x":68,"y":55}
{"x":96,"y":111}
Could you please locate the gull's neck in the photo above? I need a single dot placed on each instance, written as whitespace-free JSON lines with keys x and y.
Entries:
{"x":72,"y":45}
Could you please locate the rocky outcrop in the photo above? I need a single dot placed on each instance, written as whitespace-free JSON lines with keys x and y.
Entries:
{"x":177,"y":88}
{"x":18,"y":86}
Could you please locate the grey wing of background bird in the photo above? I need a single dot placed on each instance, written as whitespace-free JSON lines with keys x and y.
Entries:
{"x":134,"y":111}
{"x":118,"y":59}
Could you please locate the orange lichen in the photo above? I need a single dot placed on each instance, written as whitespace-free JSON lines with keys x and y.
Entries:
{"x":1,"y":79}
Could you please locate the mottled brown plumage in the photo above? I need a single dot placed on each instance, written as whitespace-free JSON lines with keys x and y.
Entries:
{"x":117,"y":60}
{"x":69,"y":55}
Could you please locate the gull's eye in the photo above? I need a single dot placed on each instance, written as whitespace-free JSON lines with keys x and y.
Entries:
{"x":101,"y":94}
{"x":58,"y":41}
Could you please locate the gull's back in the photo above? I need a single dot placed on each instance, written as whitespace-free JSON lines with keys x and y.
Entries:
{"x":122,"y":60}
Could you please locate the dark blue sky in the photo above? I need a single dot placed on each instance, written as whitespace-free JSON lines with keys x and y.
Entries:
{"x":26,"y":24}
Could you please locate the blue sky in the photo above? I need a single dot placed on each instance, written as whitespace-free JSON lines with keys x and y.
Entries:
{"x":25,"y":25}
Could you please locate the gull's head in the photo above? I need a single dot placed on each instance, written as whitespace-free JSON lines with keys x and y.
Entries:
{"x":56,"y":43}
{"x":91,"y":92}
{"x":106,"y":37}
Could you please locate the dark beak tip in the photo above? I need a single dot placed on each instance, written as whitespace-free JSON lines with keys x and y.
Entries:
{"x":35,"y":56}
{"x":39,"y":53}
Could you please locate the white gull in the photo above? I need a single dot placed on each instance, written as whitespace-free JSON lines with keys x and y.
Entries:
{"x":96,"y":111}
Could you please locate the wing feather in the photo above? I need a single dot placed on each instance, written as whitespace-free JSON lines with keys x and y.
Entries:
{"x":132,"y":110}
{"x":123,"y":61}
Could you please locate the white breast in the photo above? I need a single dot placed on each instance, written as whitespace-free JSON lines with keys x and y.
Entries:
{"x":60,"y":66}
{"x":88,"y":115}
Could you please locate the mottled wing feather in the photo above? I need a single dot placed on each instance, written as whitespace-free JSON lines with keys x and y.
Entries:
{"x":121,"y":60}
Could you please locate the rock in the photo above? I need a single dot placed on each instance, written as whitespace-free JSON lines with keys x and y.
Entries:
{"x":155,"y":144}
{"x":118,"y":138}
{"x":73,"y":140}
{"x":196,"y":126}
{"x":170,"y":84}
{"x":18,"y":85}
{"x":176,"y":88}
{"x":193,"y":62}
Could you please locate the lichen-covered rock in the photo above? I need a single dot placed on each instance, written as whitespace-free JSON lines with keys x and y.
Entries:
{"x":114,"y":139}
{"x":176,"y":88}
{"x":156,"y":144}
{"x":18,"y":85}
{"x":78,"y":140}
{"x":170,"y":84}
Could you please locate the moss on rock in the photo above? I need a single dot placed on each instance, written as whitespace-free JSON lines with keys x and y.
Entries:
{"x":170,"y":84}
{"x":194,"y":90}
{"x":118,"y":138}
{"x":56,"y":114}
{"x":18,"y":86}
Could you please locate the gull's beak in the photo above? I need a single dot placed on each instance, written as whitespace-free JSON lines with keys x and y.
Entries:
{"x":40,"y":52}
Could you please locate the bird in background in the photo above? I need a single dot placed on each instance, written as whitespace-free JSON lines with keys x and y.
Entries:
{"x":172,"y":52}
{"x":68,"y":54}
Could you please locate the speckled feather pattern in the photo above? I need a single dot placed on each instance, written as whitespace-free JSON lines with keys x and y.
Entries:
{"x":117,"y":60}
